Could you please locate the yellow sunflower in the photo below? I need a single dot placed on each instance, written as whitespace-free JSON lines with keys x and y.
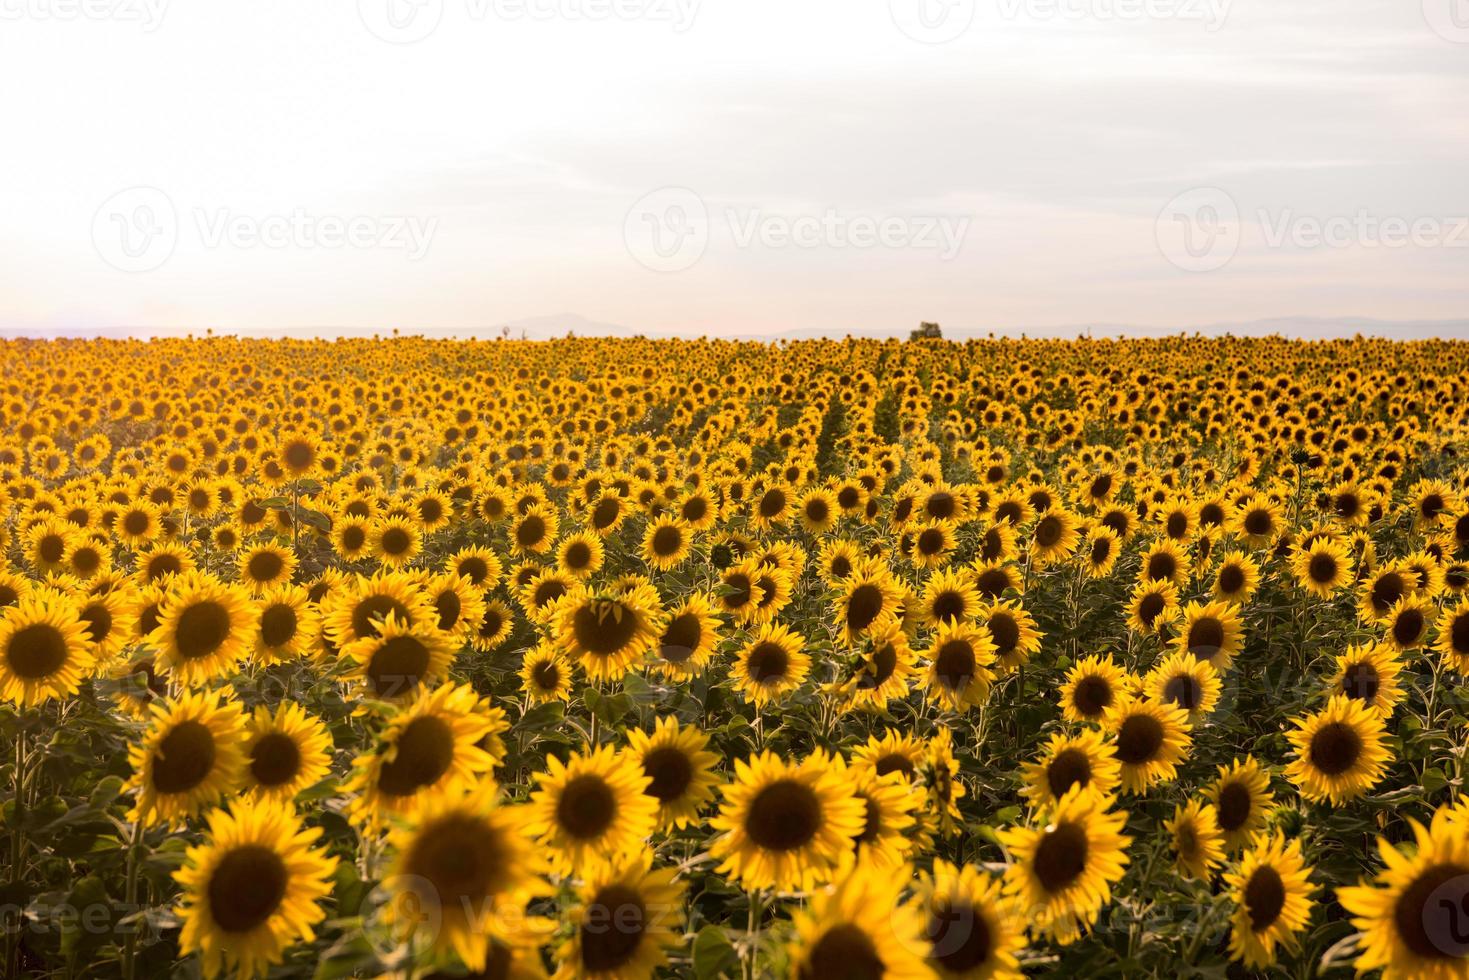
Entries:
{"x":859,"y":927}
{"x":288,"y":750}
{"x":591,"y":809}
{"x":1212,"y":632}
{"x":44,"y":649}
{"x":1184,"y":682}
{"x":679,"y":767}
{"x":960,"y":657}
{"x":1084,"y":759}
{"x":400,"y":660}
{"x":1149,"y":740}
{"x":770,"y":665}
{"x":1198,"y":843}
{"x":287,"y":625}
{"x":973,"y":931}
{"x":690,"y":637}
{"x":608,"y":634}
{"x":204,"y":628}
{"x":1271,"y":890}
{"x":627,"y":916}
{"x":545,"y":675}
{"x":1369,"y":673}
{"x":191,"y":756}
{"x":1339,"y":751}
{"x":1242,"y":801}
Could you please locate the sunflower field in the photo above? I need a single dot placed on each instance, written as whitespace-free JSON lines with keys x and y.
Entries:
{"x":613,"y":659}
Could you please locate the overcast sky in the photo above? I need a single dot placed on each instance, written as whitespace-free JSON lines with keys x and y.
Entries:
{"x":730,"y":166}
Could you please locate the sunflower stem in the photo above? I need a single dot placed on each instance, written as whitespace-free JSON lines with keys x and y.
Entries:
{"x":17,"y":846}
{"x":130,"y":945}
{"x":752,"y":935}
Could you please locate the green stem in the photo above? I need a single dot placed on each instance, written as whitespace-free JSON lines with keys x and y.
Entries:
{"x":129,"y":953}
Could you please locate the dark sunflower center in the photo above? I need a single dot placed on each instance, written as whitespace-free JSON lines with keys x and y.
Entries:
{"x":1360,"y":681}
{"x":882,"y":663}
{"x":1205,"y":637}
{"x":992,"y":582}
{"x":1162,"y":566}
{"x":396,"y":541}
{"x":604,"y":628}
{"x":86,"y":560}
{"x":817,"y":511}
{"x":741,"y":589}
{"x":184,"y":758}
{"x":783,"y":816}
{"x":931,"y":541}
{"x":474,"y":568}
{"x":1264,"y":897}
{"x":1139,"y":739}
{"x":1258,"y":523}
{"x":1231,"y":579}
{"x":1150,"y":607}
{"x":98,"y":621}
{"x":863,"y":607}
{"x":36,"y":651}
{"x":246,"y":887}
{"x":960,"y":937}
{"x":1322,"y":569}
{"x":1387,"y":590}
{"x":202,"y":629}
{"x":530,"y":531}
{"x":578,"y":555}
{"x":397,"y":666}
{"x":1429,"y":913}
{"x":1234,"y":806}
{"x":299,"y":455}
{"x":354,"y":536}
{"x":449,"y":607}
{"x":461,"y":861}
{"x":670,"y":770}
{"x":768,"y":662}
{"x":1092,"y":696}
{"x":605,"y":513}
{"x":1069,"y":768}
{"x":264,"y":566}
{"x":1459,"y":633}
{"x":374,"y":608}
{"x":895,"y":762}
{"x":1101,"y":549}
{"x":275,"y":759}
{"x":844,"y":952}
{"x":613,"y":925}
{"x":278,"y":625}
{"x":1048,"y":531}
{"x":954,"y":664}
{"x":1184,"y":690}
{"x":51,"y":549}
{"x":1408,"y":627}
{"x":546,"y":675}
{"x":425,"y":752}
{"x":1006,"y":632}
{"x":490,"y":623}
{"x":667,"y":540}
{"x":772,"y":503}
{"x":1335,"y":748}
{"x":681,"y":638}
{"x":1060,"y":857}
{"x":587,"y":807}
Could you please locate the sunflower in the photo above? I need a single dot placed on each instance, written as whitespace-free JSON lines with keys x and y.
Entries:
{"x":627,"y":916}
{"x":605,"y":634}
{"x":1198,"y":843}
{"x":1149,"y":740}
{"x":894,"y":751}
{"x":288,"y":750}
{"x":45,"y":650}
{"x":265,"y":566}
{"x":398,"y":662}
{"x":959,"y":674}
{"x":1184,"y":682}
{"x":1236,"y":578}
{"x":889,"y":803}
{"x":1380,"y":593}
{"x":1054,"y":537}
{"x":680,"y":768}
{"x":204,"y":628}
{"x":534,"y":530}
{"x":1093,"y":685}
{"x":859,"y":927}
{"x":1409,"y":914}
{"x":1100,"y":551}
{"x":868,"y":598}
{"x":1257,"y":522}
{"x":785,"y":825}
{"x":690,"y":637}
{"x":883,"y":672}
{"x":162,"y":561}
{"x":973,"y":931}
{"x":1323,"y":568}
{"x":1452,"y":643}
{"x":545,"y":675}
{"x":1339,"y":751}
{"x":580,"y":555}
{"x":1211,"y":632}
{"x":818,"y":510}
{"x":1153,"y":605}
{"x":1242,"y":801}
{"x":1084,"y":759}
{"x":1407,"y":622}
{"x":253,"y":888}
{"x":666,"y":542}
{"x":1013,"y":631}
{"x":1165,"y":561}
{"x":108,"y":622}
{"x":352,"y":537}
{"x":948,"y":596}
{"x":837,"y":558}
{"x":481,"y":567}
{"x":1369,"y":673}
{"x":591,"y":809}
{"x":1271,"y":890}
{"x":771,"y":507}
{"x":464,"y":864}
{"x":494,"y":626}
{"x":459,"y":603}
{"x":771,"y":665}
{"x":1063,"y":869}
{"x":287,"y":625}
{"x":395,"y":541}
{"x":191,"y":756}
{"x":431,"y":747}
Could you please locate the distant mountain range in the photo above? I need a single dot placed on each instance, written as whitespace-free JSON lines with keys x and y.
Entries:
{"x":560,"y":324}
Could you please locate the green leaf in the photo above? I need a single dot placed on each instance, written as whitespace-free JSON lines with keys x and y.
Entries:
{"x":314,"y":518}
{"x":714,"y":955}
{"x":541,"y":716}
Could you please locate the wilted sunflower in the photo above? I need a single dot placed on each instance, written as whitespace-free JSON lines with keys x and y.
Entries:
{"x":204,"y":628}
{"x":44,"y":649}
{"x":400,"y":660}
{"x":770,"y":665}
{"x":1410,"y":913}
{"x":1184,"y":682}
{"x":1271,"y":891}
{"x":1149,"y":740}
{"x":690,"y":637}
{"x":1369,"y":673}
{"x":1198,"y":843}
{"x":626,"y":918}
{"x":466,"y":864}
{"x":785,"y":825}
{"x":191,"y":756}
{"x":591,"y":809}
{"x":959,"y":675}
{"x":859,"y":927}
{"x":1093,"y":685}
{"x":252,"y":889}
{"x":429,"y":748}
{"x":973,"y":932}
{"x":1063,"y":869}
{"x":680,"y":768}
{"x":605,"y":634}
{"x":1339,"y":751}
{"x":1084,"y":759}
{"x":545,"y":675}
{"x":1210,"y":631}
{"x":289,"y":750}
{"x":287,"y":625}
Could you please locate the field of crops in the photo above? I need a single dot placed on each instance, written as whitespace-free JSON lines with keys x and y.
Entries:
{"x":628,"y":658}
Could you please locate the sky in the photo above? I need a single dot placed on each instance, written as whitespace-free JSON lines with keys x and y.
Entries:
{"x":735,"y":167}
